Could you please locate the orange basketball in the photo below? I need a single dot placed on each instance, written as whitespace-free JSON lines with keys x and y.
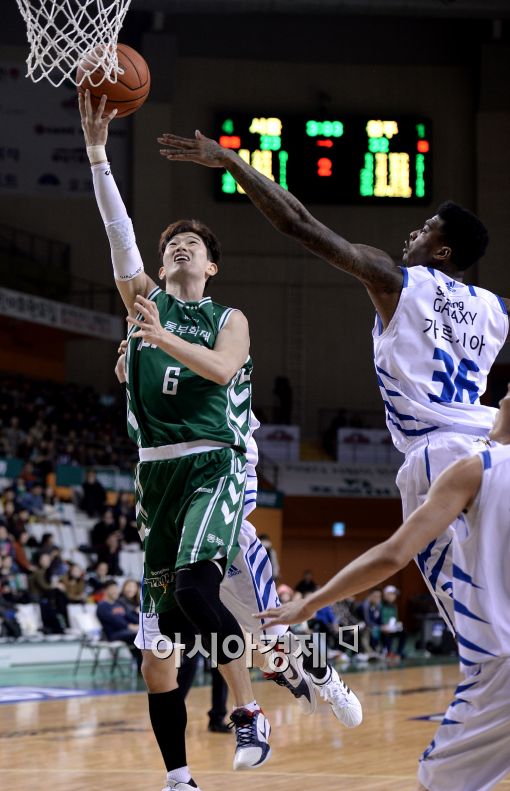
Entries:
{"x":132,"y":86}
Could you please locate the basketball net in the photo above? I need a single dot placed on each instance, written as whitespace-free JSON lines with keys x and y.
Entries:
{"x":61,"y":32}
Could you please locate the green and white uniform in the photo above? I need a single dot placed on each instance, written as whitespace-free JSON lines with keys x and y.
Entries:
{"x":192,"y":435}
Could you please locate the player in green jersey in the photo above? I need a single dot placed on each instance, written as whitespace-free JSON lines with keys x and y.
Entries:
{"x":189,"y":395}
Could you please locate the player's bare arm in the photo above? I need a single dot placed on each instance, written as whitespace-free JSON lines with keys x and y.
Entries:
{"x":375,"y":268}
{"x":130,"y":277}
{"x":219,"y":364}
{"x":452,"y":493}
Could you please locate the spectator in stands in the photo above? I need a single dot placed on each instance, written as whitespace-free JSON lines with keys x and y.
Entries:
{"x":13,"y":436}
{"x":128,"y":531}
{"x":97,"y":580}
{"x":273,"y":557}
{"x":370,"y":612}
{"x":307,"y":584}
{"x":125,"y":505}
{"x":101,"y":530}
{"x":94,"y":495}
{"x":324,"y":621}
{"x":32,"y":500}
{"x":51,"y":597}
{"x":285,"y":593}
{"x":27,"y":474}
{"x":11,"y":518}
{"x":58,"y":566}
{"x":130,"y":596}
{"x":47,"y":542}
{"x":110,"y":554}
{"x":117,"y":622}
{"x":391,"y":627}
{"x":9,"y":625}
{"x":6,"y":547}
{"x":73,"y":582}
{"x":21,"y":558}
{"x":13,"y":586}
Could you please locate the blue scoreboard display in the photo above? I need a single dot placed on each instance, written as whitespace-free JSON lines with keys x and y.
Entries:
{"x":341,"y":159}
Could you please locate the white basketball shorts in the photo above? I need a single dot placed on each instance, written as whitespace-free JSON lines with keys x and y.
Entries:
{"x":424,"y":462}
{"x":471,"y":748}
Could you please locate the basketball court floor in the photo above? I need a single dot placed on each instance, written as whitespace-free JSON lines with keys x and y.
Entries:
{"x":102,"y":739}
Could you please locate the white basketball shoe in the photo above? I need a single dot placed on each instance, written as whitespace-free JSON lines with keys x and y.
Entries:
{"x":344,"y":703}
{"x":171,"y":785}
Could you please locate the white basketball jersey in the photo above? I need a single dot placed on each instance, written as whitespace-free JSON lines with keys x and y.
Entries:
{"x":252,"y":457}
{"x":481,"y":581}
{"x":433,"y":358}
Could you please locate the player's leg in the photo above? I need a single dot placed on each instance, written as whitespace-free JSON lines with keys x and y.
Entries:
{"x":166,"y":702}
{"x":197,"y":592}
{"x":210,"y":525}
{"x":471,"y":748}
{"x":165,"y":699}
{"x":249,"y":588}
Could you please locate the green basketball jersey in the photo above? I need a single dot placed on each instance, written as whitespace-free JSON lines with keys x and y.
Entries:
{"x":168,"y":403}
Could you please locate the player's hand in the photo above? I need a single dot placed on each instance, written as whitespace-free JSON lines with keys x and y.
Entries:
{"x":199,"y":149}
{"x":123,"y":347}
{"x":94,"y":122}
{"x":150,"y":329}
{"x":292,"y":612}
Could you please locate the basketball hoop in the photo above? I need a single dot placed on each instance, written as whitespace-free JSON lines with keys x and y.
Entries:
{"x":61,"y":33}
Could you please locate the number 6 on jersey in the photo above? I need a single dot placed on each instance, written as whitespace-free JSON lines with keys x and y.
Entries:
{"x":170,"y":382}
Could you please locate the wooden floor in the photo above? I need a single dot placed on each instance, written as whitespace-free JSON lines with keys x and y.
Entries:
{"x":105,"y":743}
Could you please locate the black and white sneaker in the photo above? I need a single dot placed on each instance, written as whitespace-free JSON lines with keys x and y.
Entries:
{"x":252,"y":735}
{"x":296,"y":680}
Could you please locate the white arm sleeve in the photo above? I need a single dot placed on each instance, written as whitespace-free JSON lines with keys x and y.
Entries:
{"x":126,"y":259}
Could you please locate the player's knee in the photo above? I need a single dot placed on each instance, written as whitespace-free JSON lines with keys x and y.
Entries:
{"x":197,"y":594}
{"x":160,"y":675}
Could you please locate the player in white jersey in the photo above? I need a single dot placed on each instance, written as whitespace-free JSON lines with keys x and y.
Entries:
{"x":471,"y":748}
{"x":435,"y":339}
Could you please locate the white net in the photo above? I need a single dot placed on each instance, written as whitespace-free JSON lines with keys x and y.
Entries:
{"x":61,"y":32}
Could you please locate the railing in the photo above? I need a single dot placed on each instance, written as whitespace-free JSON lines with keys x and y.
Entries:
{"x":40,"y":265}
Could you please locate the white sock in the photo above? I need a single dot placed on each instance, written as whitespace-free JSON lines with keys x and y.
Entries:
{"x":253,"y":706}
{"x":181,"y":775}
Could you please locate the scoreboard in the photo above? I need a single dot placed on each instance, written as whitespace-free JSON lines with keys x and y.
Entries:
{"x":376,"y":159}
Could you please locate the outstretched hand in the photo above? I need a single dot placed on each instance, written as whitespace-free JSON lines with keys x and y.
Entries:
{"x":292,"y":612}
{"x":199,"y":149}
{"x":94,"y":122}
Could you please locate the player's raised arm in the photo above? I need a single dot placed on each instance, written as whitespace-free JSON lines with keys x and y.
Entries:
{"x":128,"y":270}
{"x":375,"y":268}
{"x":451,"y":493}
{"x":219,"y":364}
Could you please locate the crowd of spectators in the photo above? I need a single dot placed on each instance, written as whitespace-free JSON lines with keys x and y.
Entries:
{"x":36,"y":570}
{"x":47,"y":423}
